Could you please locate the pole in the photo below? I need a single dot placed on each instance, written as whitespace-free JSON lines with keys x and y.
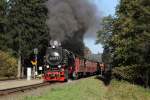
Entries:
{"x":19,"y":67}
{"x":36,"y":70}
{"x":36,"y":53}
{"x":33,"y":71}
{"x":19,"y":56}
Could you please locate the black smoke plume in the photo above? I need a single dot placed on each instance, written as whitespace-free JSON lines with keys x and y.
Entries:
{"x":69,"y":20}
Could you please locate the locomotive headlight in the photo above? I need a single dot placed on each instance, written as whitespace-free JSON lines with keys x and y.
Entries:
{"x":47,"y":66}
{"x":53,"y":47}
{"x":59,"y":66}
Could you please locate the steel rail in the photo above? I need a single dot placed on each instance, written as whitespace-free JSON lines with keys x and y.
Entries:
{"x":22,"y":88}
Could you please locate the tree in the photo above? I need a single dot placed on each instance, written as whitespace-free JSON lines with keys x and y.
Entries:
{"x":3,"y":22}
{"x":131,"y":37}
{"x":104,"y":36}
{"x":105,"y":33}
{"x":27,"y":29}
{"x":129,"y":41}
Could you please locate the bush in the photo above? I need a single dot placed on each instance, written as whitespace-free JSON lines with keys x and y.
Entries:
{"x":134,"y":73}
{"x":8,"y":65}
{"x":129,"y":73}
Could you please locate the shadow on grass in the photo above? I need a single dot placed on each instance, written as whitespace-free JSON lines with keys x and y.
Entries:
{"x":106,"y":78}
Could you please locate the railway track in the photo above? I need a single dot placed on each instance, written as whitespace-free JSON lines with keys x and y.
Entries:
{"x":22,"y":88}
{"x":8,"y":91}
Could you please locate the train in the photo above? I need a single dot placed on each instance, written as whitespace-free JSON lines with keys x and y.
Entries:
{"x":61,"y":64}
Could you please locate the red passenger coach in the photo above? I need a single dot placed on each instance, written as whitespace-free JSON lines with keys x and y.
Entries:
{"x":85,"y":67}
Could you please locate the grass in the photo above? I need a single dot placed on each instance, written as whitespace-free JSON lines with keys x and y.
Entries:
{"x":94,"y":89}
{"x":122,"y":90}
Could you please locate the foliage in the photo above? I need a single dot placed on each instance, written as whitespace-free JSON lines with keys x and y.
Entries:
{"x":129,"y":43}
{"x":127,"y":73}
{"x":3,"y":6}
{"x":105,"y":33}
{"x":104,"y":36}
{"x":8,"y":65}
{"x":27,"y":26}
{"x":3,"y":23}
{"x":129,"y":32}
{"x":131,"y":36}
{"x":23,"y":28}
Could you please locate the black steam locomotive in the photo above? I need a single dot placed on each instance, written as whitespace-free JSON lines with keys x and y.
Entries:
{"x":61,"y":64}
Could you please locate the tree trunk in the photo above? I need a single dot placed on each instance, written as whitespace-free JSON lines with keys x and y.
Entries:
{"x":19,"y":67}
{"x":147,"y":78}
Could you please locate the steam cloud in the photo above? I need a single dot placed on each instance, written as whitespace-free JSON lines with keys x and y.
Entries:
{"x":69,"y":20}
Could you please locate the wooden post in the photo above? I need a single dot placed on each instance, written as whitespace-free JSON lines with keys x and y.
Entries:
{"x":22,"y":72}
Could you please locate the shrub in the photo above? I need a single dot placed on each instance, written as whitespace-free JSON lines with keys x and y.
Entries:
{"x":129,"y":73}
{"x":8,"y":65}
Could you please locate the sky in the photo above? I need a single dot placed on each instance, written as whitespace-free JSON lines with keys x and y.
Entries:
{"x":105,"y":8}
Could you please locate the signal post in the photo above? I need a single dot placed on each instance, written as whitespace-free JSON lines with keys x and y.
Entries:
{"x":34,"y":63}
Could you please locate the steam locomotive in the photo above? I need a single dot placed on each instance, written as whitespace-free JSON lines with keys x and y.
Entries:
{"x":61,"y":64}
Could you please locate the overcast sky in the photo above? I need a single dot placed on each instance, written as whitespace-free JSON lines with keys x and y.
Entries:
{"x":105,"y":7}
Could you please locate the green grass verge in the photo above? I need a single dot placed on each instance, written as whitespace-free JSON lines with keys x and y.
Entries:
{"x":122,"y":90}
{"x":94,"y":89}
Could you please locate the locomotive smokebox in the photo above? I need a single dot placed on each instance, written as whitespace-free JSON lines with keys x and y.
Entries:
{"x":54,"y":55}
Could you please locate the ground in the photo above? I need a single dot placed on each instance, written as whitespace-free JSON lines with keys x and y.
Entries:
{"x":93,"y":89}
